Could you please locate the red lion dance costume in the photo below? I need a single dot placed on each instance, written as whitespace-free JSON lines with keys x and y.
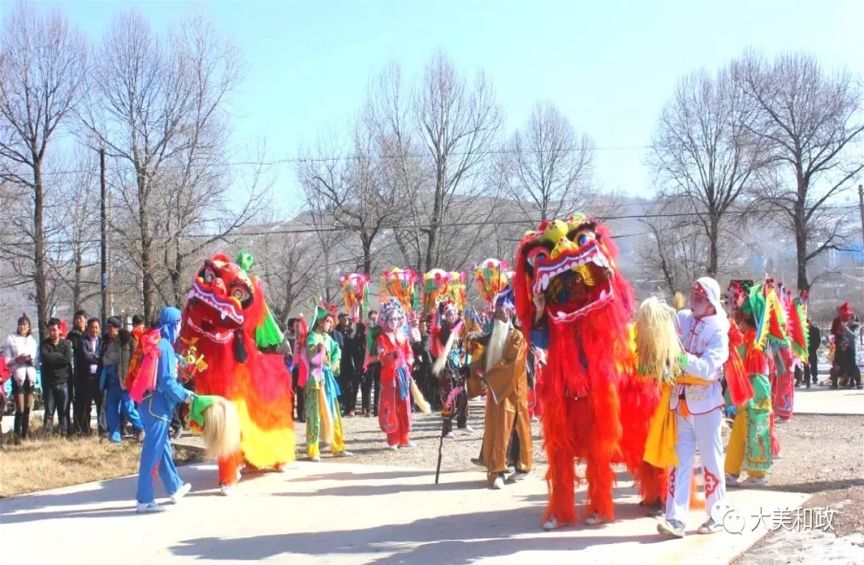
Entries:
{"x":567,"y":269}
{"x":226,"y":321}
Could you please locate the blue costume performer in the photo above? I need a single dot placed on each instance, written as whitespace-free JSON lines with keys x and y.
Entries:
{"x":156,"y":410}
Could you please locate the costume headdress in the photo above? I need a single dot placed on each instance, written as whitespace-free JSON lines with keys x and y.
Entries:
{"x":710,"y":289}
{"x":504,"y":299}
{"x":322,"y":311}
{"x":391,"y":309}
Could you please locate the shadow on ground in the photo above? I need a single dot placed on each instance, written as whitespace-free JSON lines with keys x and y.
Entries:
{"x":450,"y":538}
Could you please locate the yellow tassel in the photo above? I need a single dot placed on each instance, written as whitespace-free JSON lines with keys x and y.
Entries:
{"x":419,"y":400}
{"x":657,"y":344}
{"x":221,"y":428}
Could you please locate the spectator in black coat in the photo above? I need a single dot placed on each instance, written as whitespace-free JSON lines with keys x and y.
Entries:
{"x":55,"y":354}
{"x":78,"y":333}
{"x":87,"y":353}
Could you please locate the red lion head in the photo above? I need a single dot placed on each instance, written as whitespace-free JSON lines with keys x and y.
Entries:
{"x":224,"y":305}
{"x":572,"y":264}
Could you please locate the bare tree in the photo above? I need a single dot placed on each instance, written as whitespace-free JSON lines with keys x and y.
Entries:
{"x":76,"y":217}
{"x":551,"y":165}
{"x":458,"y":122}
{"x":159,"y":109}
{"x":674,"y":249}
{"x":288,"y":269}
{"x":42,"y":64}
{"x":704,"y":152}
{"x":811,"y":120}
{"x":351,"y":190}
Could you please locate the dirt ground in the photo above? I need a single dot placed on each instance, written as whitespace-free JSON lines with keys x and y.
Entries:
{"x":823,"y":455}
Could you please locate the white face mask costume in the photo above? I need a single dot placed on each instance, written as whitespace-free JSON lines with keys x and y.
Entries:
{"x":393,"y":323}
{"x":450,"y":316}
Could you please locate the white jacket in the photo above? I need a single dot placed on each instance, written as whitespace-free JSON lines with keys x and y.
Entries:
{"x":706,"y":341}
{"x":16,"y":345}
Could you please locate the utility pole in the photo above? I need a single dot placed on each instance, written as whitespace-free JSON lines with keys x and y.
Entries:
{"x":861,"y":208}
{"x":103,"y":205}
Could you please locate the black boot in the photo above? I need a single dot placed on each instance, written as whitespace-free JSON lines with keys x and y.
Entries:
{"x":25,"y":424}
{"x":16,"y":428}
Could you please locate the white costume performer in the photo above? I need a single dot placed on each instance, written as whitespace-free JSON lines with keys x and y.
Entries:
{"x":699,"y":407}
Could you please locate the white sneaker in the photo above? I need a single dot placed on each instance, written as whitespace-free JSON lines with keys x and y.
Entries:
{"x":498,"y":484}
{"x":225,"y":490}
{"x":752,"y":482}
{"x":315,"y":459}
{"x":550,"y":524}
{"x":393,"y":447}
{"x":181,"y":492}
{"x":732,"y":480}
{"x":408,"y":445}
{"x":148,"y":508}
{"x":343,"y":453}
{"x":449,"y":435}
{"x":594,"y":520}
{"x":468,"y":430}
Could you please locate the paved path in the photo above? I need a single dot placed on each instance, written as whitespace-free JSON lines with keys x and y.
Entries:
{"x":823,"y":400}
{"x":350,"y":513}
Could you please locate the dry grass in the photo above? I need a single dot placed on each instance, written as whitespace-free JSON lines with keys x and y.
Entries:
{"x":55,"y":462}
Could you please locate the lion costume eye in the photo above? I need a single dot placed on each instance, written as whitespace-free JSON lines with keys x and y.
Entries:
{"x":583,"y":237}
{"x":240,"y":293}
{"x":209,"y":275}
{"x":537,"y":254}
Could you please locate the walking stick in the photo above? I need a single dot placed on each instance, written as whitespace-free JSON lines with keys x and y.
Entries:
{"x":450,"y":402}
{"x":440,"y":451}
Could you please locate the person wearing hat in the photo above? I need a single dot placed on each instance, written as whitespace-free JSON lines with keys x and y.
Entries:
{"x":323,"y":415}
{"x":117,"y":349}
{"x":697,"y":401}
{"x":507,"y":395}
{"x":157,"y":406}
{"x":749,"y":446}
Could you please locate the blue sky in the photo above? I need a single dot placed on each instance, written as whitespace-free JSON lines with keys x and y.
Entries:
{"x":609,"y":65}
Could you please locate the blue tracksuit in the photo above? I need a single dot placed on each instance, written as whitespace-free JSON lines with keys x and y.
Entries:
{"x":156,"y":410}
{"x":116,"y":401}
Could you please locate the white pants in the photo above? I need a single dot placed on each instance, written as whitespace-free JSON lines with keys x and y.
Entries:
{"x":702,"y":431}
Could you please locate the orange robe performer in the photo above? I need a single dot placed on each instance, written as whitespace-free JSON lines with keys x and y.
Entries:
{"x":506,"y":396}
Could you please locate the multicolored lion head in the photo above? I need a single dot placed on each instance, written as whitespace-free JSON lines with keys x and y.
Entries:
{"x":225,"y":304}
{"x":572,"y":264}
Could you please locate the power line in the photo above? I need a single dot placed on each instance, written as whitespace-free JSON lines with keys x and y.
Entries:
{"x":307,"y":229}
{"x":355,"y":157}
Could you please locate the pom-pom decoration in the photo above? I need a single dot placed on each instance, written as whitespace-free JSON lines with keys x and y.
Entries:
{"x":439,"y":285}
{"x":491,"y":277}
{"x":355,"y":293}
{"x":399,"y":284}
